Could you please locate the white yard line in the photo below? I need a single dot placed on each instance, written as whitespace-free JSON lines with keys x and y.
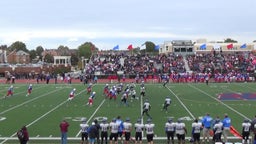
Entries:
{"x":181,"y":103}
{"x":56,"y":107}
{"x":92,"y":115}
{"x":12,"y":108}
{"x":18,"y":92}
{"x":219,"y":101}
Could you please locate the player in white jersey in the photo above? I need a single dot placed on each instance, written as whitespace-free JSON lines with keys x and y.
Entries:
{"x":104,"y":126}
{"x":146,"y":108}
{"x":196,"y":130}
{"x":246,"y":125}
{"x":127,"y":129}
{"x":29,"y":90}
{"x":217,"y":129}
{"x":72,"y":94}
{"x":113,"y":131}
{"x":149,"y":128}
{"x":170,"y":131}
{"x":84,"y":134}
{"x":138,"y":131}
{"x":180,"y":131}
{"x":167,"y":103}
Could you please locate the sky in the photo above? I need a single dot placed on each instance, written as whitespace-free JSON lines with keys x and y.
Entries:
{"x":107,"y":23}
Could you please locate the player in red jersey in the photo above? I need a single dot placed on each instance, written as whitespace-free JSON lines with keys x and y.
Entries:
{"x":29,"y":89}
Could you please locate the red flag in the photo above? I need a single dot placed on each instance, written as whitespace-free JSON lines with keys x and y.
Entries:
{"x":235,"y":132}
{"x":130,"y":47}
{"x":230,"y":46}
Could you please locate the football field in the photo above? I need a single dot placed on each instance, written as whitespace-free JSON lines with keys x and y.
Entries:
{"x":48,"y":105}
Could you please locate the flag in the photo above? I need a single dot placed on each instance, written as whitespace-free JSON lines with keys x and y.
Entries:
{"x":157,"y":47}
{"x":235,"y":132}
{"x":203,"y":47}
{"x":243,"y":46}
{"x":130,"y":47}
{"x":230,"y":46}
{"x":143,"y":46}
{"x":116,"y":47}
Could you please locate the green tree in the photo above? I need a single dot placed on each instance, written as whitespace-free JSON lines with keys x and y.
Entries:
{"x":32,"y":54}
{"x":39,"y":51}
{"x":63,"y":50}
{"x":48,"y":58}
{"x":74,"y":59}
{"x":86,"y":49}
{"x":229,"y":40}
{"x":18,"y":46}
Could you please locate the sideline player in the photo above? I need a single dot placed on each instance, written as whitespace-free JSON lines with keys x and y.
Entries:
{"x":139,"y":127}
{"x":246,"y":125}
{"x":170,"y":131}
{"x":196,"y":130}
{"x":149,"y":127}
{"x":127,"y":130}
{"x":29,"y":89}
{"x":84,"y":131}
{"x":72,"y":94}
{"x":104,"y":126}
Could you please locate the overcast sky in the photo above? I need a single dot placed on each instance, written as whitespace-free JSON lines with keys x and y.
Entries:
{"x":108,"y":23}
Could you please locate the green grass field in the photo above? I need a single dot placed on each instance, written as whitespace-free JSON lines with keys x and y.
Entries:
{"x":45,"y":108}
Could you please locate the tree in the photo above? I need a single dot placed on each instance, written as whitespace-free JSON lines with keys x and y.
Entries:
{"x":86,"y":49}
{"x":74,"y":59}
{"x":48,"y":58}
{"x":39,"y":51}
{"x":32,"y":54}
{"x":229,"y":40}
{"x":18,"y":46}
{"x":63,"y":50}
{"x":150,"y":48}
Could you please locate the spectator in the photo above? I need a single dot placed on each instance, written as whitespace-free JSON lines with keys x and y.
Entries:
{"x":64,"y":129}
{"x":23,"y":135}
{"x":92,"y":132}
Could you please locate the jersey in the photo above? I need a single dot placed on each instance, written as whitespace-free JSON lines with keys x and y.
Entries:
{"x":72,"y":93}
{"x":84,"y":127}
{"x":246,"y":126}
{"x":149,"y":128}
{"x":30,"y":87}
{"x":196,"y":127}
{"x":207,"y":121}
{"x":146,"y":105}
{"x":104,"y":127}
{"x":127,"y":126}
{"x":139,"y":127}
{"x":170,"y":127}
{"x":218,"y":127}
{"x":114,"y":127}
{"x":168,"y":101}
{"x":120,"y":125}
{"x":180,"y":128}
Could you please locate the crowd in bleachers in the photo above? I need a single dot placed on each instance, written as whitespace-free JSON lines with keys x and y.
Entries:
{"x":111,"y":63}
{"x":216,"y":66}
